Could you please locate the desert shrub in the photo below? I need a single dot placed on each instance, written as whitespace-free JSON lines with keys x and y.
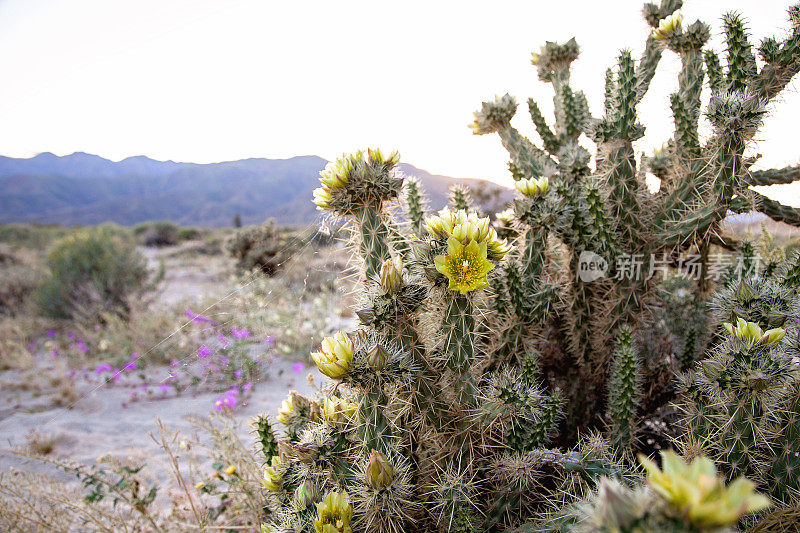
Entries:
{"x":190,"y":233}
{"x":18,"y":280}
{"x":163,"y":233}
{"x":91,"y":271}
{"x":261,"y":248}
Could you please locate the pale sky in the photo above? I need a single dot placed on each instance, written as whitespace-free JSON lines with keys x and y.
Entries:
{"x":215,"y":80}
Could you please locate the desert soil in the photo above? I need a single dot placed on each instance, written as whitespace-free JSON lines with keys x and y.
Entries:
{"x":101,"y":421}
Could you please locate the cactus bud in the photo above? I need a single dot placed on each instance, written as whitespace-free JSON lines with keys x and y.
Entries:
{"x":366,"y":316}
{"x":273,"y":479}
{"x":392,"y":275}
{"x":306,"y":452}
{"x":287,"y":409}
{"x":305,"y":495}
{"x":335,"y":356}
{"x":322,"y":198}
{"x":712,"y":369}
{"x":773,"y":336}
{"x":380,"y":472}
{"x":377,"y":357}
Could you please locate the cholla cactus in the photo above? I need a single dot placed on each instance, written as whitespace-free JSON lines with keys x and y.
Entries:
{"x":475,"y":350}
{"x":606,"y":210}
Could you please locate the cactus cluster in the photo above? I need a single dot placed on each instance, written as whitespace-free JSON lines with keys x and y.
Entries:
{"x":491,"y":386}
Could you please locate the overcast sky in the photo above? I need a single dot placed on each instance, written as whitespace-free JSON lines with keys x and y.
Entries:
{"x":214,"y":80}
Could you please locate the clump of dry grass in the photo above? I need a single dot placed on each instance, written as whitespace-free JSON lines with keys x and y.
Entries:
{"x":41,"y":443}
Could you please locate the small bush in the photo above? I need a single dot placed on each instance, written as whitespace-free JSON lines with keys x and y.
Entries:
{"x":162,"y":234}
{"x":18,"y":280}
{"x":91,"y":272}
{"x":262,"y":248}
{"x":190,"y":234}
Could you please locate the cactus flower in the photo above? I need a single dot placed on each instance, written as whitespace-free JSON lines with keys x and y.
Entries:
{"x":335,"y":355}
{"x":273,"y":479}
{"x":322,"y":198}
{"x":696,"y":490}
{"x":334,"y":514}
{"x":668,"y":26}
{"x":380,"y":472}
{"x":465,"y":266}
{"x":752,"y":333}
{"x":533,"y":186}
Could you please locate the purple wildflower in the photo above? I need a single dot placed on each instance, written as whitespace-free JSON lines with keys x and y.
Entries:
{"x":223,"y":360}
{"x":117,"y":374}
{"x":32,"y":346}
{"x":164,"y":387}
{"x":72,"y":336}
{"x":51,"y":333}
{"x":203,"y":352}
{"x":174,"y":363}
{"x":247,"y":386}
{"x":298,"y":367}
{"x":134,"y":355}
{"x":82,"y":346}
{"x":238,"y":374}
{"x":130,"y":366}
{"x":242,"y":333}
{"x":223,"y":340}
{"x":270,"y":340}
{"x":105,"y":367}
{"x":143,"y":387}
{"x":198,"y":318}
{"x":54,"y":354}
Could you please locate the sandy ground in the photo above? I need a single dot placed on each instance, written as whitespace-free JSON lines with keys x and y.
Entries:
{"x":101,"y":421}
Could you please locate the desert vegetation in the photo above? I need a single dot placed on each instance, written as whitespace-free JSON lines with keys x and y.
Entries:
{"x":597,"y":356}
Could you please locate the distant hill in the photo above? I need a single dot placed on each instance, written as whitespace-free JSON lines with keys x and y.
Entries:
{"x":85,"y":189}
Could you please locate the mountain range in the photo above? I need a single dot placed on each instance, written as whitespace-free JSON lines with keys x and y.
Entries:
{"x":86,"y":189}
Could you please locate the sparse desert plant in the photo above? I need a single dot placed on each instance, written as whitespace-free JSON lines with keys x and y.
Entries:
{"x":261,"y":247}
{"x":162,"y":233}
{"x":92,"y":271}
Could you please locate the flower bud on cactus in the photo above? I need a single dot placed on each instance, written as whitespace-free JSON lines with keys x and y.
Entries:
{"x":305,"y":495}
{"x":377,"y":357}
{"x":287,"y":409}
{"x":334,"y":514}
{"x":335,"y":409}
{"x":392,"y":275}
{"x":273,"y":479}
{"x":335,"y":355}
{"x":697,"y":491}
{"x":380,"y":472}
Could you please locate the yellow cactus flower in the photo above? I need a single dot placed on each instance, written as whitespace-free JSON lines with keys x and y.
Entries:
{"x":699,"y":493}
{"x":752,"y":333}
{"x":533,"y":186}
{"x":336,"y":409}
{"x":380,"y":472}
{"x":668,"y":26}
{"x":230,"y":470}
{"x":335,"y":355}
{"x":465,"y":266}
{"x":497,"y":248}
{"x":287,"y":409}
{"x":199,"y":485}
{"x":392,"y":275}
{"x":334,"y":514}
{"x":322,"y":198}
{"x":273,"y":479}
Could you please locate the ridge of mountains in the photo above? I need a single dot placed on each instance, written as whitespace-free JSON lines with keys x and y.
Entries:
{"x":86,"y":189}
